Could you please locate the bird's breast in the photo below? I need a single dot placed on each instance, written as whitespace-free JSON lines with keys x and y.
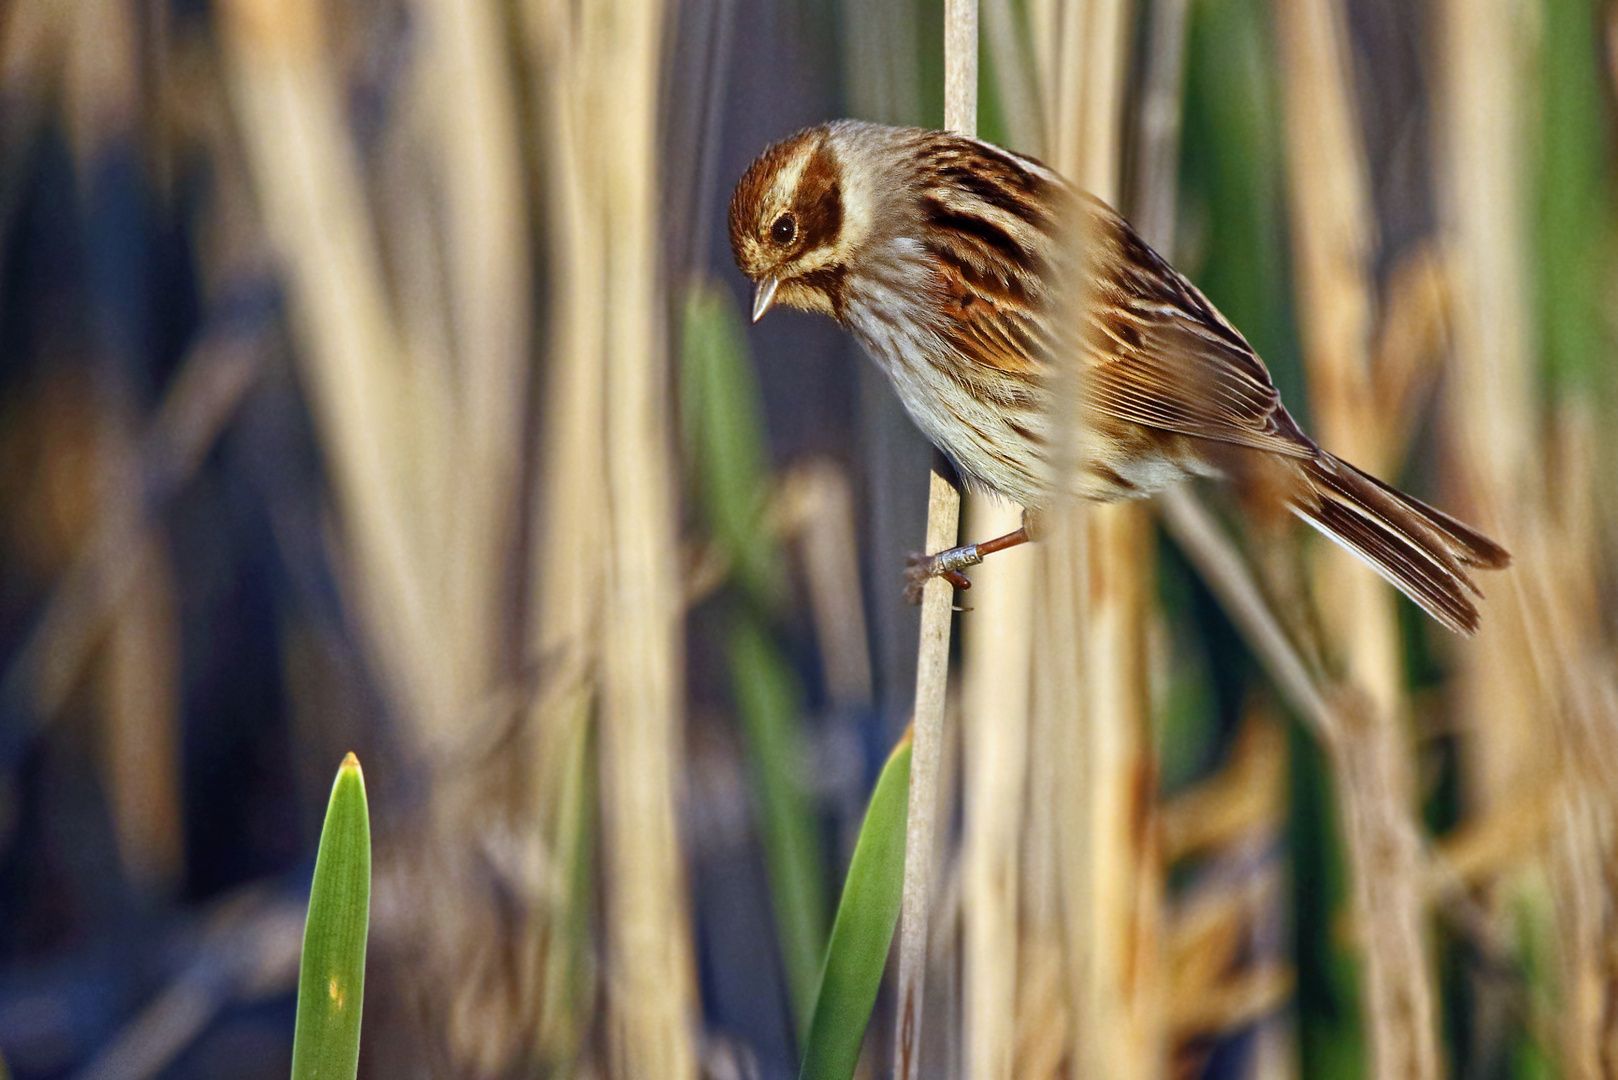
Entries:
{"x":1000,"y":436}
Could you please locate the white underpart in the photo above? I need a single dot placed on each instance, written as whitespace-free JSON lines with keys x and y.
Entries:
{"x":882,"y":314}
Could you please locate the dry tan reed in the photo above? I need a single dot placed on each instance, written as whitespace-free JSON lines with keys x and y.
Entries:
{"x":1111,"y":876}
{"x":921,"y":832}
{"x":1016,"y":79}
{"x":313,"y":202}
{"x":619,"y":609}
{"x":998,"y":638}
{"x":814,"y":506}
{"x":1490,"y":389}
{"x":1334,"y":243}
{"x":412,"y":306}
{"x":998,"y":648}
{"x":469,"y":101}
{"x":932,"y":656}
{"x":1538,"y":698}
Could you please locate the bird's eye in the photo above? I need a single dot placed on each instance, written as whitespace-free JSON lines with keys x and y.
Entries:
{"x":785,"y":229}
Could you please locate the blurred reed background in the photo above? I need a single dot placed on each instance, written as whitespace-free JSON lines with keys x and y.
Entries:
{"x":372,"y":376}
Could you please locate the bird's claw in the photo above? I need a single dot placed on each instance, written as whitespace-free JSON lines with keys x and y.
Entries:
{"x":946,"y":564}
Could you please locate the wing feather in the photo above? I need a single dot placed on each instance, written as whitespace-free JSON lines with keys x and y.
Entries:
{"x":1158,"y":353}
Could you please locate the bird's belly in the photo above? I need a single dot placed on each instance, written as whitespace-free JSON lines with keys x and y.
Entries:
{"x":995,"y":445}
{"x":1003,"y":442}
{"x":1134,"y":467}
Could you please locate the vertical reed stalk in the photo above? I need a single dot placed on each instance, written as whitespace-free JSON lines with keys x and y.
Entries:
{"x":1334,"y":243}
{"x":618,"y":607}
{"x":140,"y":699}
{"x":1116,"y":913}
{"x":138,"y":684}
{"x":998,"y":642}
{"x":818,"y":501}
{"x":1016,"y":81}
{"x":565,"y":570}
{"x":1510,"y":670}
{"x":1490,"y":391}
{"x":473,"y":118}
{"x":312,"y":198}
{"x":1094,"y":675}
{"x":932,"y":677}
{"x":932,"y":658}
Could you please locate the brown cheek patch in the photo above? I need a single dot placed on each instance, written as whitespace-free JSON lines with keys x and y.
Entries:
{"x":819,"y":201}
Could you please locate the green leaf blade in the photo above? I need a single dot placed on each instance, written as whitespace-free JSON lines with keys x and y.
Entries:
{"x":863,"y":931}
{"x":331,"y":975}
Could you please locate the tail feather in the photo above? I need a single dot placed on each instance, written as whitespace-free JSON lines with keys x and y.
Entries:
{"x":1423,"y":552}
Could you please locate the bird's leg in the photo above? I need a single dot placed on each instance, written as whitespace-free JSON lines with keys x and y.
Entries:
{"x":949,"y":563}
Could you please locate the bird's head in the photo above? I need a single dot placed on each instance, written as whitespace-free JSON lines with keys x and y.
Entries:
{"x":788,"y":224}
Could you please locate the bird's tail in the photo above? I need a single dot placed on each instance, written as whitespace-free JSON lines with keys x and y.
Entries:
{"x":1424,"y":552}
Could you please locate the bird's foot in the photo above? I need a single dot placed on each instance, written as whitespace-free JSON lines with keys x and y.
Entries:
{"x":945,"y":564}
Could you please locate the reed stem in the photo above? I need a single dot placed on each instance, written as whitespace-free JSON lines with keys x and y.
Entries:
{"x":932,"y":658}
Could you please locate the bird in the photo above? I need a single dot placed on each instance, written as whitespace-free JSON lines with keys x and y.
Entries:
{"x":956,"y":264}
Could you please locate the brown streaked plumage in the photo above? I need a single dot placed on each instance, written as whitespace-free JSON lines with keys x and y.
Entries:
{"x":944,"y":256}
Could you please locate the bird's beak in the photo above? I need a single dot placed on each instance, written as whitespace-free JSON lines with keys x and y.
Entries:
{"x":764,"y":296}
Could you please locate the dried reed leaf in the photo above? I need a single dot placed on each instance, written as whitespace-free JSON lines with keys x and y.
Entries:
{"x":1492,"y":845}
{"x":1248,"y":795}
{"x":1414,"y":327}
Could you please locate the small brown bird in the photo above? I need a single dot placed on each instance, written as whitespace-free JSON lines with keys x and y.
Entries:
{"x":943,"y":255}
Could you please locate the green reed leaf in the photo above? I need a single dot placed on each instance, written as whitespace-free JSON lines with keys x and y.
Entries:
{"x":331,"y":977}
{"x":863,"y":932}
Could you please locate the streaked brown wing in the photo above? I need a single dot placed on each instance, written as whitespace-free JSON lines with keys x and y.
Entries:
{"x":988,"y":219}
{"x":1159,"y":354}
{"x":1162,"y":355}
